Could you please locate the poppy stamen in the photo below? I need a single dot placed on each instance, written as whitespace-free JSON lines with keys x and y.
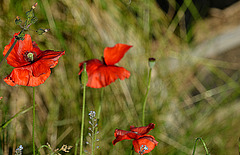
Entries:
{"x":30,"y":56}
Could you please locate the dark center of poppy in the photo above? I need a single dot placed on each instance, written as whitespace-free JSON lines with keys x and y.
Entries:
{"x":29,"y":56}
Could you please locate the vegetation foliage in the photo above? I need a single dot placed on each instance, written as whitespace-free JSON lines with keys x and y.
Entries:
{"x":189,"y":96}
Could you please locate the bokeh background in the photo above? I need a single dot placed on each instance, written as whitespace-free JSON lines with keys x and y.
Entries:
{"x":195,"y":87}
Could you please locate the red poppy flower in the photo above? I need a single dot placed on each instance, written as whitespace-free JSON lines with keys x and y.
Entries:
{"x":142,"y":143}
{"x":103,"y":73}
{"x":32,"y":66}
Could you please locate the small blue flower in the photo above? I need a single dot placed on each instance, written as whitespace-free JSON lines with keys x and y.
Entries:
{"x":19,"y":150}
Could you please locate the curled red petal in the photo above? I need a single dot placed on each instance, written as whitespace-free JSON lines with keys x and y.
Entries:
{"x":16,"y":56}
{"x":144,"y":144}
{"x":51,"y":57}
{"x":142,"y":130}
{"x":24,"y":76}
{"x":120,"y":135}
{"x":113,"y":55}
{"x":123,"y":135}
{"x":101,"y":75}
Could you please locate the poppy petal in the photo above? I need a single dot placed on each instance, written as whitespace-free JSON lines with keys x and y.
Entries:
{"x":16,"y":56}
{"x":142,"y":130}
{"x":123,"y":135}
{"x":113,"y":55}
{"x":101,"y":75}
{"x":48,"y":59}
{"x":36,"y":49}
{"x":23,"y":76}
{"x":51,"y":57}
{"x":120,"y":135}
{"x":144,"y":144}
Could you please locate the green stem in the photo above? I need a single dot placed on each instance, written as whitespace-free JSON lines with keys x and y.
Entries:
{"x":239,"y":145}
{"x":145,"y":97}
{"x":204,"y":145}
{"x":10,"y":49}
{"x":33,"y":126}
{"x":93,"y":138}
{"x":82,"y":126}
{"x":131,"y":153}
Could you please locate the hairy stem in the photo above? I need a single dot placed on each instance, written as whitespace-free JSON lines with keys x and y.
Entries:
{"x":82,"y":125}
{"x":33,"y":125}
{"x":145,"y":97}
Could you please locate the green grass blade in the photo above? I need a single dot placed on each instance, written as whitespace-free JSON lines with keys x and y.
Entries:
{"x":4,"y":125}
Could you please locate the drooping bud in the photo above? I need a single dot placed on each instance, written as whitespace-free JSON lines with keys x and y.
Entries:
{"x":151,"y":62}
{"x":18,"y":21}
{"x":41,"y":31}
{"x":84,"y":76}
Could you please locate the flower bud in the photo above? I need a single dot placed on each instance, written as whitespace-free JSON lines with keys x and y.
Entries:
{"x":84,"y":76}
{"x":41,"y":31}
{"x":151,"y":62}
{"x":30,"y":14}
{"x":18,"y":21}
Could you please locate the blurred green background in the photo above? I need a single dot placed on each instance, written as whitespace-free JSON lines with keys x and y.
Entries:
{"x":194,"y":87}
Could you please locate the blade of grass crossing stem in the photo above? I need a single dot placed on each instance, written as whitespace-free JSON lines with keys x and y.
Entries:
{"x":18,"y":37}
{"x":204,"y":145}
{"x":4,"y":125}
{"x":10,"y":49}
{"x":33,"y":125}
